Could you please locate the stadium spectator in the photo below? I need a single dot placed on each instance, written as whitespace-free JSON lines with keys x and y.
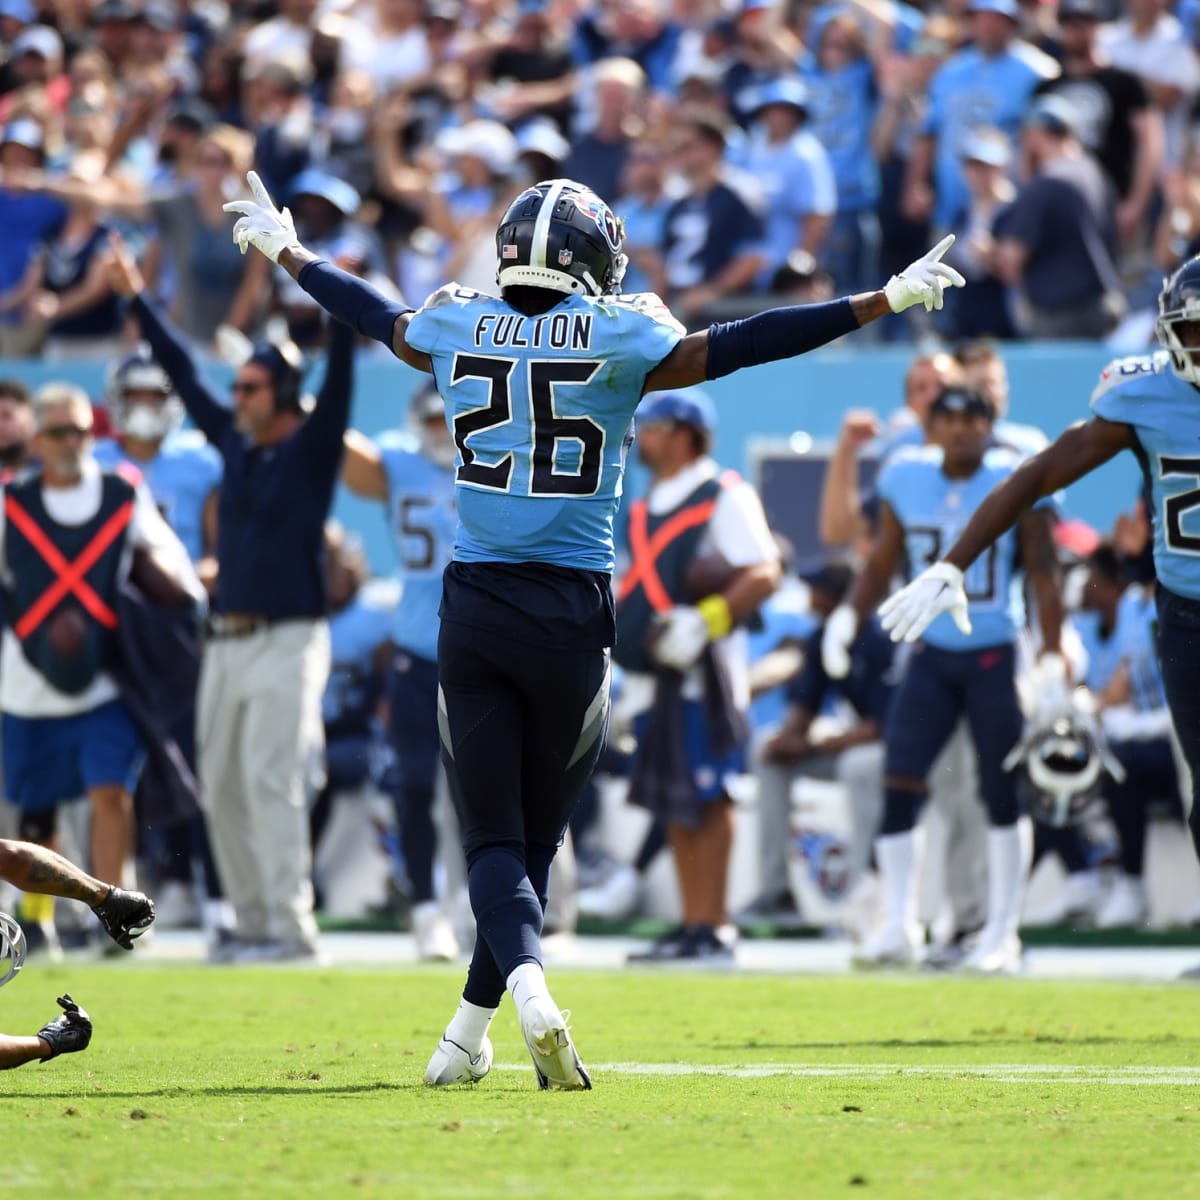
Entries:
{"x":267,"y":659}
{"x":713,"y":234}
{"x":793,"y":170}
{"x":28,"y":219}
{"x":842,"y":101}
{"x":36,"y":66}
{"x":1056,"y":243}
{"x":1149,"y":41}
{"x":598,"y":154}
{"x":983,"y":309}
{"x":1114,"y":117}
{"x":531,"y":69}
{"x":984,"y":370}
{"x":643,"y":206}
{"x":70,"y":296}
{"x":987,"y":83}
{"x":398,"y":55}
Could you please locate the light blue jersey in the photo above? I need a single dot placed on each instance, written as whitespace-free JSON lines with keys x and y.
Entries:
{"x":1131,"y":642}
{"x":933,"y":511}
{"x":1142,"y":391}
{"x":423,"y":523}
{"x":969,"y":90}
{"x":541,"y":409}
{"x":181,"y":477}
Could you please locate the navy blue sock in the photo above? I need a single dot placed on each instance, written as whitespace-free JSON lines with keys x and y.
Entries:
{"x":901,"y":808}
{"x":508,"y":915}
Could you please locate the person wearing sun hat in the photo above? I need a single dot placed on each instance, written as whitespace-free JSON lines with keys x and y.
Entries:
{"x":988,"y":82}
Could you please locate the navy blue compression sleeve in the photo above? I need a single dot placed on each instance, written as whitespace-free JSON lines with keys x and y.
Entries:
{"x":776,"y":333}
{"x":352,"y":300}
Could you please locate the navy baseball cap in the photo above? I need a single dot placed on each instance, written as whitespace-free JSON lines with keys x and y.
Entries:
{"x":691,"y":407}
{"x":963,"y":400}
{"x":832,"y":576}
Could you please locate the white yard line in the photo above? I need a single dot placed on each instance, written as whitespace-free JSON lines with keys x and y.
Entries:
{"x":1026,"y":1073}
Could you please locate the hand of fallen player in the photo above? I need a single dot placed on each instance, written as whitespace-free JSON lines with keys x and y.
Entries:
{"x":68,"y":1033}
{"x":261,"y":224}
{"x":911,"y":611}
{"x":923,"y":281}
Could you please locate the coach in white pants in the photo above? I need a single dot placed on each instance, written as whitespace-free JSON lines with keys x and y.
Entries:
{"x":267,"y":657}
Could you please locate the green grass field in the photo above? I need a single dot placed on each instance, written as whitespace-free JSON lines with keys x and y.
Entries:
{"x":272,"y":1082}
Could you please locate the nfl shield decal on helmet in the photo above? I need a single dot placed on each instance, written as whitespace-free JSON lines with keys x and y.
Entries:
{"x":565,"y":257}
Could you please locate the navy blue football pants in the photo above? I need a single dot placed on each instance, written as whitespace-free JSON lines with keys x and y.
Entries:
{"x":939,"y":687}
{"x":1179,"y":652}
{"x":521,"y":728}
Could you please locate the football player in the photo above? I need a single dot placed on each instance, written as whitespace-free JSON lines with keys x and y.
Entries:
{"x":1147,"y":404}
{"x":414,"y":477}
{"x":925,"y":496}
{"x":540,"y":386}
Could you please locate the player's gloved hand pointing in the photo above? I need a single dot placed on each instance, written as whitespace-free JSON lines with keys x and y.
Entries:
{"x":923,"y":281}
{"x":938,"y":589}
{"x":261,"y":224}
{"x":841,"y":628}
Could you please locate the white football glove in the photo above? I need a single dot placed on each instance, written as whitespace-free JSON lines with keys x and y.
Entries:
{"x":923,"y":281}
{"x":841,"y":628}
{"x":1051,"y":691}
{"x":682,"y":634}
{"x":938,"y":589}
{"x":260,"y":223}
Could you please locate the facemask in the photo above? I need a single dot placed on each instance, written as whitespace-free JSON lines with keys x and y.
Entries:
{"x":145,"y":423}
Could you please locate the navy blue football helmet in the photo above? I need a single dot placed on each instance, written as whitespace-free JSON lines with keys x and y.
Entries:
{"x":560,"y":235}
{"x":1179,"y":304}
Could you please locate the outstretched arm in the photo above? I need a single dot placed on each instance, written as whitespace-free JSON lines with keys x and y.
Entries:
{"x":1076,"y":452}
{"x":786,"y":332}
{"x":34,"y":868}
{"x":939,"y":588}
{"x":351,"y":300}
{"x":212,"y":417}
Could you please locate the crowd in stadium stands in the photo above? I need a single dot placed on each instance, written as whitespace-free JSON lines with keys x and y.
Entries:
{"x":758,"y":152}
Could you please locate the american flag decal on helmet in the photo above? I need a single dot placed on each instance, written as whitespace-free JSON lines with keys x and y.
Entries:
{"x":509,"y":251}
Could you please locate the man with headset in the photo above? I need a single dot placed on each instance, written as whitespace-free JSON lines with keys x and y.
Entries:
{"x":259,"y":728}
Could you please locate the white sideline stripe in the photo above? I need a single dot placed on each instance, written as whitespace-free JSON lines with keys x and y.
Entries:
{"x":1029,"y":1073}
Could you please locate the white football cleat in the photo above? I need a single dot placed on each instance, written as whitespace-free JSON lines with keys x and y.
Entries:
{"x":1125,"y":905}
{"x":434,"y":933}
{"x":452,"y":1064}
{"x":614,"y":899}
{"x":891,"y":946}
{"x":554,"y":1057}
{"x":994,"y":955}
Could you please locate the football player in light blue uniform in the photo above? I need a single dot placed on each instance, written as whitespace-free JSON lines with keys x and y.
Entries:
{"x":413,"y":474}
{"x":361,"y":611}
{"x":540,"y":385}
{"x":181,"y":469}
{"x":959,"y":669}
{"x":183,"y":473}
{"x":1149,"y":404}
